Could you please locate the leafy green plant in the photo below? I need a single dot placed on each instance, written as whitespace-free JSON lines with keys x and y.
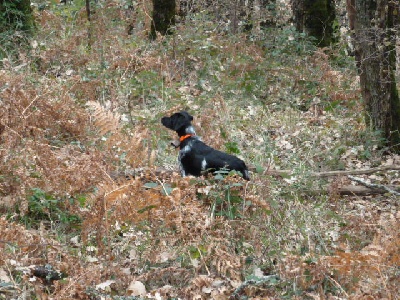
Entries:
{"x":16,"y":15}
{"x":232,"y":147}
{"x":225,"y":196}
{"x":16,"y":22}
{"x":45,"y":207}
{"x":197,"y":252}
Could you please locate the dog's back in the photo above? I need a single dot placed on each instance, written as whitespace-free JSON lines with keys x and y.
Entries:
{"x":197,"y":158}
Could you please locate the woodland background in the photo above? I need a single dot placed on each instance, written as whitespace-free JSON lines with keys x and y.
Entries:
{"x":92,"y":204}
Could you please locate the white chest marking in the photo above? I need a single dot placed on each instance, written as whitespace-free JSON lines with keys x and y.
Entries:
{"x":203,"y":164}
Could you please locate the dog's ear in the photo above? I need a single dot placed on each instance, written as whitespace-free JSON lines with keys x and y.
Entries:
{"x":186,"y":115}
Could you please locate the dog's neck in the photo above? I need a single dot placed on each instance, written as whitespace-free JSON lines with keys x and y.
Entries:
{"x":185,"y":131}
{"x":184,"y":134}
{"x":190,"y":130}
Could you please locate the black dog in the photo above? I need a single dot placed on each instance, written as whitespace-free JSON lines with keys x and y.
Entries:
{"x":195,"y":157}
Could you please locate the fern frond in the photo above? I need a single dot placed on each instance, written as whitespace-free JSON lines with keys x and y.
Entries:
{"x":105,"y":120}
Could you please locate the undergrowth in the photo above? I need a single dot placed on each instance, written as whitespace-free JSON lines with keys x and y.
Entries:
{"x":89,"y":182}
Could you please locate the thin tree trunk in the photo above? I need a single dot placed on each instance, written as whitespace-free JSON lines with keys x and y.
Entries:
{"x":89,"y":29}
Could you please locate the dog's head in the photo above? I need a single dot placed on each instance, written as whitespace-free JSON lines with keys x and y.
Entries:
{"x":179,"y":122}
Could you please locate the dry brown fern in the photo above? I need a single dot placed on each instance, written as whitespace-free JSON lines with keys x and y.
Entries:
{"x":132,"y":201}
{"x":104,"y":120}
{"x":356,"y":274}
{"x":39,"y":126}
{"x":130,"y":148}
{"x":225,"y":261}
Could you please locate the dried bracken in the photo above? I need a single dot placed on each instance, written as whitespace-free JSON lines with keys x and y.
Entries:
{"x":90,"y":187}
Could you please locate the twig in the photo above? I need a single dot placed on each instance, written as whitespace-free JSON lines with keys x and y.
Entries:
{"x":202,"y":259}
{"x":338,"y":286}
{"x":15,"y":286}
{"x":13,"y":131}
{"x":162,"y":184}
{"x":373,"y":185}
{"x":29,"y":105}
{"x":105,"y":173}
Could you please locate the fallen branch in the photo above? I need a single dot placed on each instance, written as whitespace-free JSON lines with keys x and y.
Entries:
{"x":362,"y":190}
{"x":337,"y":173}
{"x":374,"y":186}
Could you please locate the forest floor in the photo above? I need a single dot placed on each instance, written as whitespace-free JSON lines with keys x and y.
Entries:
{"x":92,"y":205}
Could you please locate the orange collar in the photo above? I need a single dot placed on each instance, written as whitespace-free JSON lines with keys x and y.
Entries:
{"x":184,"y":137}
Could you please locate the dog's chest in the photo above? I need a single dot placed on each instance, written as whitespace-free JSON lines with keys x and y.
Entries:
{"x":185,"y":150}
{"x":191,"y":160}
{"x":191,"y":152}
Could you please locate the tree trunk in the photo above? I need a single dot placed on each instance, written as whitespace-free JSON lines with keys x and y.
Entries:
{"x":316,"y":18}
{"x":376,"y":60}
{"x":163,"y":17}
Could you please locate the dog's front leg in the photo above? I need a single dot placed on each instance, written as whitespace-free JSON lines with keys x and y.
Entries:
{"x":181,"y":169}
{"x":183,"y":173}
